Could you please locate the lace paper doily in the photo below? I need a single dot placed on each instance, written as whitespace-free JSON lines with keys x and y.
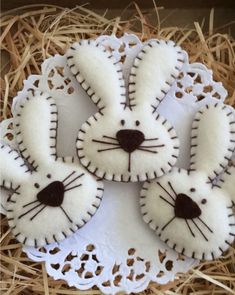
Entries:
{"x":116,"y":250}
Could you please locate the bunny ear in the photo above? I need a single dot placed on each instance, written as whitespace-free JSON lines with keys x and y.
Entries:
{"x":213,"y":139}
{"x":228,"y":183}
{"x":98,"y":72}
{"x":13,"y":169}
{"x":36,"y":128}
{"x":154,"y":70}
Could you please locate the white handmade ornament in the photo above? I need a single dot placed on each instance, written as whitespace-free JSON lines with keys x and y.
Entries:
{"x":188,"y":209}
{"x":127,"y":140}
{"x":51,"y":197}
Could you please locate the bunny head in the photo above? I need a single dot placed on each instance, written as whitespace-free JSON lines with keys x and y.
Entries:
{"x":51,"y":197}
{"x":126,"y":140}
{"x":191,"y":210}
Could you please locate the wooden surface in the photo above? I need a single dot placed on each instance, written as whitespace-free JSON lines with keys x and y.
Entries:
{"x":121,"y":4}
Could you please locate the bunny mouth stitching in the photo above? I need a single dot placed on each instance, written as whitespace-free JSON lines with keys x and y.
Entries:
{"x":185,"y":208}
{"x":52,"y":195}
{"x":129,"y":140}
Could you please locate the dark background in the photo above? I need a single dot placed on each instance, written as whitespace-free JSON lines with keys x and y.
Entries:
{"x":180,"y":13}
{"x":121,"y":4}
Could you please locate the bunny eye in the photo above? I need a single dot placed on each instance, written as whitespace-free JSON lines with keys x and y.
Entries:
{"x":203,"y":201}
{"x":122,"y":122}
{"x":137,"y":122}
{"x":48,"y":175}
{"x":192,"y":189}
{"x":36,"y":185}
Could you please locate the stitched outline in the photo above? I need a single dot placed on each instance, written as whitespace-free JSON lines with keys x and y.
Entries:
{"x":224,"y":178}
{"x":13,"y":198}
{"x":57,"y":237}
{"x":19,"y":161}
{"x":60,"y":235}
{"x":143,"y":195}
{"x":180,"y":249}
{"x":173,"y":76}
{"x":194,"y":143}
{"x":129,"y":99}
{"x":53,"y":129}
{"x":126,"y":177}
{"x":97,"y":100}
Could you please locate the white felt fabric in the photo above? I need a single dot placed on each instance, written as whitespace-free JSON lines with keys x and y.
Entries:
{"x":32,"y":123}
{"x":215,"y":214}
{"x":11,"y":164}
{"x":54,"y":197}
{"x":187,"y":209}
{"x":98,"y":72}
{"x":113,"y":164}
{"x":52,"y":224}
{"x":155,"y":69}
{"x":216,"y":126}
{"x":99,"y":149}
{"x":228,"y":183}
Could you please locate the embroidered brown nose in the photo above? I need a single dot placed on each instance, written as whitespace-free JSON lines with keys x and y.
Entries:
{"x":186,"y":208}
{"x":52,"y":195}
{"x":129,"y":139}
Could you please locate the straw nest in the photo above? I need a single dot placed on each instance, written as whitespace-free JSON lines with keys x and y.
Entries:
{"x":32,"y":34}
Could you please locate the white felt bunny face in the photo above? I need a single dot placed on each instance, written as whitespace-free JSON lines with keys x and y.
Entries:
{"x":52,"y":197}
{"x":126,"y":140}
{"x":189,"y":209}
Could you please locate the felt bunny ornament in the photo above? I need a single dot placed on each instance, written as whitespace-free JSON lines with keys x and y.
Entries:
{"x":192,"y":210}
{"x":127,"y":140}
{"x":51,"y":197}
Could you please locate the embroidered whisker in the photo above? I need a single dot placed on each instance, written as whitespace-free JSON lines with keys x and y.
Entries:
{"x":149,"y":139}
{"x":169,"y":222}
{"x":70,"y":188}
{"x":109,"y":149}
{"x":26,"y":205}
{"x":144,"y":150}
{"x":29,"y":210}
{"x":66,"y":214}
{"x":68,"y":176}
{"x":109,"y":137}
{"x":105,"y":142}
{"x":171,"y":186}
{"x":192,"y":233}
{"x":151,"y":146}
{"x":203,"y":222}
{"x":37,"y":213}
{"x":165,"y":190}
{"x":199,"y":230}
{"x":74,"y":180}
{"x":161,"y":197}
